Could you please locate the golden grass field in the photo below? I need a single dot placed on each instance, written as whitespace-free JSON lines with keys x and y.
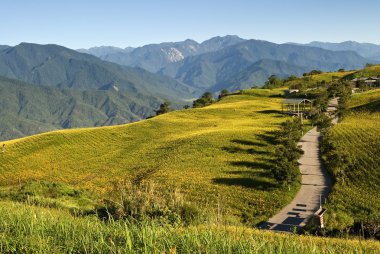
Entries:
{"x":219,"y":155}
{"x":355,"y":196}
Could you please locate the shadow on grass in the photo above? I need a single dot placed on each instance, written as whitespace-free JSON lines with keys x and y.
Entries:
{"x":245,"y":182}
{"x":268,"y":137}
{"x":253,"y":164}
{"x":248,"y":142}
{"x":236,"y":149}
{"x":250,"y":174}
{"x":269,"y":111}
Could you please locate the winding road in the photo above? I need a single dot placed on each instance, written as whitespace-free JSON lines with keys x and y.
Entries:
{"x":316,"y":185}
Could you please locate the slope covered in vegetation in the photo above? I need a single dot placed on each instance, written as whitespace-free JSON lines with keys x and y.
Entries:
{"x":26,"y":229}
{"x":219,"y":157}
{"x":353,"y":159}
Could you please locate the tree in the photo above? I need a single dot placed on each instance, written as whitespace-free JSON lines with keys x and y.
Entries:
{"x":323,"y":123}
{"x":321,"y":102}
{"x":273,"y":82}
{"x":223,"y":93}
{"x":164,"y":108}
{"x":286,"y":167}
{"x":205,"y":100}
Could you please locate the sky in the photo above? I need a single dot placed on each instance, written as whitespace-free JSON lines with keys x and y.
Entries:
{"x":88,"y":23}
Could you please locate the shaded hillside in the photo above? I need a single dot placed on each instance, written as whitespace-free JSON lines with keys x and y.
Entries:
{"x":2,"y":47}
{"x":260,"y":70}
{"x":53,"y":65}
{"x":26,"y":109}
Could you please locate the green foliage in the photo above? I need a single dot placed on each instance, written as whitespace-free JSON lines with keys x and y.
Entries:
{"x":164,"y":108}
{"x":205,"y":100}
{"x":323,"y":123}
{"x":286,"y":166}
{"x":273,"y":82}
{"x":313,"y":72}
{"x":223,"y":93}
{"x":142,"y":200}
{"x":321,"y":101}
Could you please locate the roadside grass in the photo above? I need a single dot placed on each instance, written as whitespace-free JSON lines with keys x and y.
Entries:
{"x":28,"y":229}
{"x":219,"y":157}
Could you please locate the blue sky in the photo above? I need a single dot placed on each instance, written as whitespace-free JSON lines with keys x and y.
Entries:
{"x":87,"y":23}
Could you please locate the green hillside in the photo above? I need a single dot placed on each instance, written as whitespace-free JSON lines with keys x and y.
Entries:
{"x":220,"y":154}
{"x":324,"y":78}
{"x":26,"y":109}
{"x":369,"y":71}
{"x":355,"y":145}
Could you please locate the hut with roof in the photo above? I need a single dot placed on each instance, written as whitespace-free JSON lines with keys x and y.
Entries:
{"x":296,"y":106}
{"x":369,"y":81}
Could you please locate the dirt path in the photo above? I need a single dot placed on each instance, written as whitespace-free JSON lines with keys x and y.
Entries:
{"x":316,"y":185}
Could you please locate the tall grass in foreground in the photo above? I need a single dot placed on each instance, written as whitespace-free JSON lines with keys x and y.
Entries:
{"x":27,"y":229}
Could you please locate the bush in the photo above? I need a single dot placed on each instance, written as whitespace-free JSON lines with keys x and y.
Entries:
{"x":205,"y":100}
{"x":164,"y":108}
{"x":140,"y":201}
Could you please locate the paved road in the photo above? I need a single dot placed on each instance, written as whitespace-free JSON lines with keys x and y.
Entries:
{"x":316,"y":184}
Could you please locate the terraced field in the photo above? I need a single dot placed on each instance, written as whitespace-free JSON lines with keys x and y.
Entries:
{"x":218,"y":157}
{"x":356,"y":194}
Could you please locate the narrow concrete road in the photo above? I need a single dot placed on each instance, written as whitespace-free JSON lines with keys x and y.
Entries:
{"x":316,"y":184}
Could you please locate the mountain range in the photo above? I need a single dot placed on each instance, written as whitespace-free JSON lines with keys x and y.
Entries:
{"x":231,"y":62}
{"x":47,"y":87}
{"x":367,"y":50}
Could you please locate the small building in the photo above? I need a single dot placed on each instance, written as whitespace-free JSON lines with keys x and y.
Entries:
{"x":369,"y":81}
{"x":297,"y":106}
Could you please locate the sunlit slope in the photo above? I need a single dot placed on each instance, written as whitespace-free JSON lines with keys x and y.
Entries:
{"x":219,"y":154}
{"x":356,"y":194}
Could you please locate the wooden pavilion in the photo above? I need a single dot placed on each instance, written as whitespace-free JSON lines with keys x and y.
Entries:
{"x":297,"y":106}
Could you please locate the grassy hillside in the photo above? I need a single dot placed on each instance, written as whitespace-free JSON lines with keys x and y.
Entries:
{"x":320,"y":80}
{"x":356,"y":142}
{"x":367,"y":72}
{"x":218,"y":156}
{"x":26,"y":229}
